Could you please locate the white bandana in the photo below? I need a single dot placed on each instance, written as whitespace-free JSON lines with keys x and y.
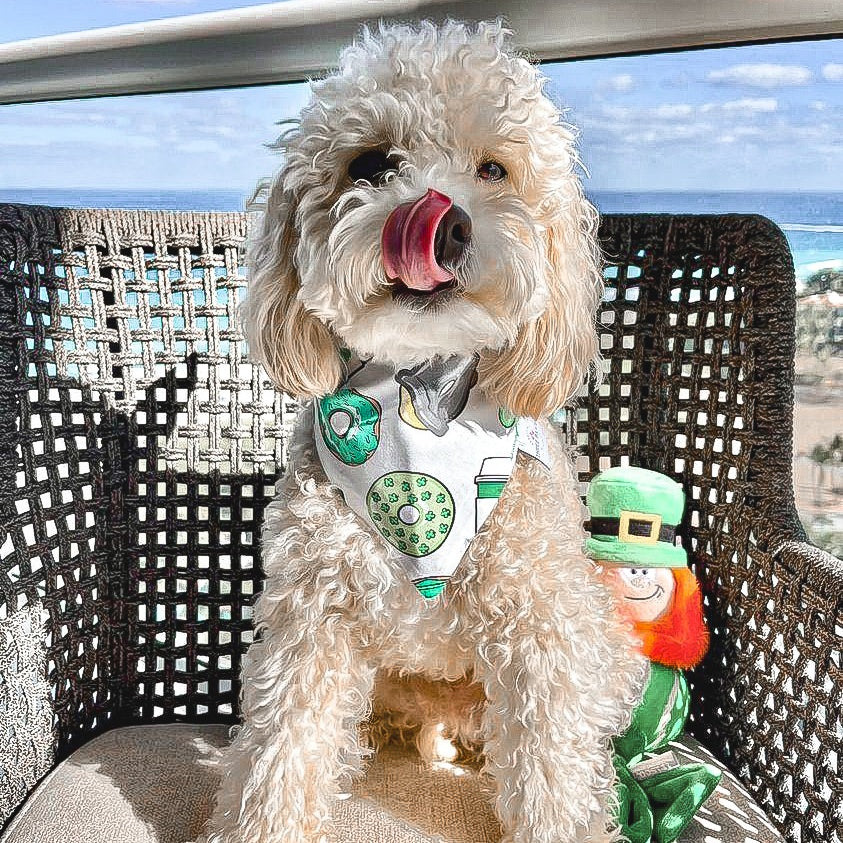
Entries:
{"x":421,"y":457}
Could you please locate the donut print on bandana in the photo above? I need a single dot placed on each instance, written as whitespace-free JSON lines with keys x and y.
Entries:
{"x":412,"y":511}
{"x":350,"y":425}
{"x":506,"y":418}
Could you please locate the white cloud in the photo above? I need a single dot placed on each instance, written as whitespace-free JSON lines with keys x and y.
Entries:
{"x":199,"y":146}
{"x":105,"y":139}
{"x":681,"y":113}
{"x":764,"y":105}
{"x":666,"y":112}
{"x":617,"y":112}
{"x":818,"y":105}
{"x":622,"y":83}
{"x":174,"y":140}
{"x":762,"y":75}
{"x":742,"y":123}
{"x":672,"y":112}
{"x":815,"y":133}
{"x":833,"y":72}
{"x":643,"y":125}
{"x":671,"y":133}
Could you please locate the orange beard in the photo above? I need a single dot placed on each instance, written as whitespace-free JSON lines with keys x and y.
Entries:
{"x":679,"y":638}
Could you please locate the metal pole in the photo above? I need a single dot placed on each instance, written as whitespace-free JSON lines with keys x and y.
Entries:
{"x":289,"y":41}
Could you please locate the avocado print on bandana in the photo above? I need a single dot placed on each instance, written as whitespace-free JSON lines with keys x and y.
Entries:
{"x":421,"y":457}
{"x":412,"y":511}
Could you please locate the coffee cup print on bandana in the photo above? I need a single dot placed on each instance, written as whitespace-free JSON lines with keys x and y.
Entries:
{"x":350,"y":425}
{"x":414,"y":512}
{"x":494,"y":472}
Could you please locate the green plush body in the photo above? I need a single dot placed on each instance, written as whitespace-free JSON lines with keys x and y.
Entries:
{"x":658,"y":808}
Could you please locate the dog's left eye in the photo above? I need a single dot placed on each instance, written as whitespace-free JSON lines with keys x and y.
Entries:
{"x":491,"y":171}
{"x":372,"y":166}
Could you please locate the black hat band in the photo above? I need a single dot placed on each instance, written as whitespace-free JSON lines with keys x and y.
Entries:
{"x":636,"y":527}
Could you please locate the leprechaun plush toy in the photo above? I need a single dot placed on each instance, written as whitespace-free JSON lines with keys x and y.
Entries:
{"x":634,"y":514}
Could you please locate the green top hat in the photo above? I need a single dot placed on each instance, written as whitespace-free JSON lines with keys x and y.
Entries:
{"x":634,"y":514}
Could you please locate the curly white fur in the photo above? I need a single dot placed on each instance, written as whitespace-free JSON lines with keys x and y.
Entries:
{"x":544,"y":673}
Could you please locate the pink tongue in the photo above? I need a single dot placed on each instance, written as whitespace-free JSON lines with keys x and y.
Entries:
{"x":407,"y":242}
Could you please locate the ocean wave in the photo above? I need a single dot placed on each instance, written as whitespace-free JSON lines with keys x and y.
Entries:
{"x":798,"y":226}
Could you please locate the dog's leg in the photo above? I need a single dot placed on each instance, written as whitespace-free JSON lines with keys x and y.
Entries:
{"x":305,"y":691}
{"x":547,"y":744}
{"x":560,"y":674}
{"x":306,"y":680}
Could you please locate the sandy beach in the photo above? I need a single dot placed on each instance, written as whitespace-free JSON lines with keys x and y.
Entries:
{"x":818,"y":417}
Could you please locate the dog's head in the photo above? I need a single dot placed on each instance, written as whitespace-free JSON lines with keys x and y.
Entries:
{"x":429,"y":205}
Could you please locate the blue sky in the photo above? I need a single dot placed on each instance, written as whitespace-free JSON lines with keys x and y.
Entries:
{"x":766,"y":117}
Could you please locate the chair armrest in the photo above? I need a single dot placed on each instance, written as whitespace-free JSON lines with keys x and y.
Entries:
{"x":808,"y":595}
{"x":819,"y":573}
{"x":775,"y":714}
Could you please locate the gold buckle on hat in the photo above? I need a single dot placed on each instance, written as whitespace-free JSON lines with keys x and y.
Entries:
{"x":655,"y":522}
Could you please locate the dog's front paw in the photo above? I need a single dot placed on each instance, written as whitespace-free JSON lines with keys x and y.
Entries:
{"x":239,"y":835}
{"x":584,"y":836}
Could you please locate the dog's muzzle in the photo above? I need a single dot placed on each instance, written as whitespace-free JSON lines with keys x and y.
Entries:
{"x":419,"y":237}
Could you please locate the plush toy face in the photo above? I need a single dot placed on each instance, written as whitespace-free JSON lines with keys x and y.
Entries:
{"x":646,"y":593}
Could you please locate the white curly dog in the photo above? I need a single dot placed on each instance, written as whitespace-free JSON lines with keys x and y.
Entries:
{"x":428,"y":210}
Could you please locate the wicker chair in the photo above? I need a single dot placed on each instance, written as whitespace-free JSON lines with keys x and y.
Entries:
{"x":138,"y":450}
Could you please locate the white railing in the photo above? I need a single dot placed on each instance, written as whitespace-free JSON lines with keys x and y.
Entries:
{"x":282,"y":42}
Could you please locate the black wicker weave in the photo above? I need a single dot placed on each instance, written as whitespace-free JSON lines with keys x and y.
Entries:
{"x":138,"y":449}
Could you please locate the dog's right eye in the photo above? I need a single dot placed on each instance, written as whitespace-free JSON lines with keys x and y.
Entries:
{"x":371,"y":166}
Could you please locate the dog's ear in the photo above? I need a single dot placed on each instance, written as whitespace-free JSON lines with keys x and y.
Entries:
{"x":297,"y":350}
{"x":552,"y":355}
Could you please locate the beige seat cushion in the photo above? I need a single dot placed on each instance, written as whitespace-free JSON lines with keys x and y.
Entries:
{"x":155,"y":784}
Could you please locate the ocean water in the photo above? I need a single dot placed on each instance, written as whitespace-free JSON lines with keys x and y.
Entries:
{"x":164,"y":200}
{"x":812,"y":222}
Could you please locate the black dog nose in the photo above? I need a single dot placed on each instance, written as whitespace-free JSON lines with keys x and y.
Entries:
{"x":452,"y":236}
